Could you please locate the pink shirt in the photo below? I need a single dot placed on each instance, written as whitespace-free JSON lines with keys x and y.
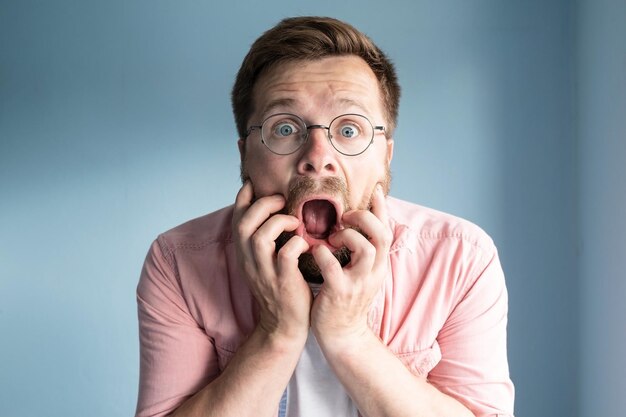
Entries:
{"x":442,"y":311}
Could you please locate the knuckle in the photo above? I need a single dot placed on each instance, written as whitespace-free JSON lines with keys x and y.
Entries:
{"x":331,"y":266}
{"x":369,"y":251}
{"x":285,"y":254}
{"x":257,"y":241}
{"x":240,"y":230}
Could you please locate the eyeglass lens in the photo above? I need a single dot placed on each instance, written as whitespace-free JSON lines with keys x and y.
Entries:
{"x":350,"y":134}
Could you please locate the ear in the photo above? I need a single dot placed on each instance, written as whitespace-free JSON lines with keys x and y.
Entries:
{"x":242,"y":149}
{"x":389,"y":150}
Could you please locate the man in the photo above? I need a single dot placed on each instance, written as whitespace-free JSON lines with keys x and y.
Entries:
{"x":316,"y":294}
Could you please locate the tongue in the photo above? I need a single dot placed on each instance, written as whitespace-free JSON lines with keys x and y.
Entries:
{"x":319,"y":217}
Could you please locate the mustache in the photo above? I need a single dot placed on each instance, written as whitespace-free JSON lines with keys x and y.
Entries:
{"x":299,"y":189}
{"x":302,"y":187}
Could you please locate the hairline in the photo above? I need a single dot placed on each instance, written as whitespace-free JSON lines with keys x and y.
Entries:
{"x":270,"y":67}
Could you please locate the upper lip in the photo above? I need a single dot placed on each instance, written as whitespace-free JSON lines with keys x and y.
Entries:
{"x":332,"y":200}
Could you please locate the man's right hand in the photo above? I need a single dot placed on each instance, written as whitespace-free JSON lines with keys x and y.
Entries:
{"x":264,"y":363}
{"x":282,"y":293}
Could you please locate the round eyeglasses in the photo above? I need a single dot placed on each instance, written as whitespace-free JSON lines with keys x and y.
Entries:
{"x":285,"y":133}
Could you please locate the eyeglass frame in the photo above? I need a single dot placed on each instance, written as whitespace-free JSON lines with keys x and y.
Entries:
{"x":316,"y":126}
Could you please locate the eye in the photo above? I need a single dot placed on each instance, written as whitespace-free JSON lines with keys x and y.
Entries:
{"x":349,"y":130}
{"x":284,"y":129}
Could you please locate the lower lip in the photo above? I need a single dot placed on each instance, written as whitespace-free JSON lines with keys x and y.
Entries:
{"x":313,"y":241}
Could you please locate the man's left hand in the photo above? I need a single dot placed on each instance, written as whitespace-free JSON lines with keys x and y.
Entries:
{"x":339,"y":313}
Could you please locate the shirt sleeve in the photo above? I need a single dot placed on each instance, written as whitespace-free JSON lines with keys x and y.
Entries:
{"x":177,"y":358}
{"x":474,"y":367}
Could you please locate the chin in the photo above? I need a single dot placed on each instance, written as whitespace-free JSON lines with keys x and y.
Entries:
{"x":306,"y":262}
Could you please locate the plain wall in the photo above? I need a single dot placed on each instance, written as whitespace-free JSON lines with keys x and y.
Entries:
{"x":602,"y":133}
{"x":115,"y":125}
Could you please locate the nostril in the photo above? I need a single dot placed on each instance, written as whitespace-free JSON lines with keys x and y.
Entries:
{"x":317,"y":157}
{"x":310,"y":168}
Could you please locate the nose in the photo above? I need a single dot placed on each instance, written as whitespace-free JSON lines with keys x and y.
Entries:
{"x":318,"y":157}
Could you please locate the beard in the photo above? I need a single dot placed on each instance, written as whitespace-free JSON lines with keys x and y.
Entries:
{"x":299,"y":190}
{"x":306,"y":262}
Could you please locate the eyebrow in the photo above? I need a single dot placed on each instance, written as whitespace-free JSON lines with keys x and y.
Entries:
{"x":285,"y":104}
{"x":274,"y":104}
{"x":354,"y":103}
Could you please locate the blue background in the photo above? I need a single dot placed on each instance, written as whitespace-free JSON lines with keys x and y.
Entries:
{"x":115,"y":125}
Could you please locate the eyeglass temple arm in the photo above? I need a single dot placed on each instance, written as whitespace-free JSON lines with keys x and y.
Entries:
{"x":251,"y":128}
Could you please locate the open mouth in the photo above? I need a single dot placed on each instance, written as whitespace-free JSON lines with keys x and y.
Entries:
{"x":319,"y":219}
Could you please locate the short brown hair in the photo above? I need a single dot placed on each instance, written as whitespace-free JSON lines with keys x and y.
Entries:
{"x":310,"y":38}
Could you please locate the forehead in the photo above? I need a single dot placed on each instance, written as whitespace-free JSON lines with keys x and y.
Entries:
{"x":333,"y":83}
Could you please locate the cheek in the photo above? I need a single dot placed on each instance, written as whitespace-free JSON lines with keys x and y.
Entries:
{"x":363,"y":179}
{"x":268,"y":175}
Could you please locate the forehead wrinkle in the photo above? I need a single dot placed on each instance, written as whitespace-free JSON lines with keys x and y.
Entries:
{"x":342,"y":105}
{"x":272,"y":105}
{"x":301,"y":87}
{"x":348,"y":102}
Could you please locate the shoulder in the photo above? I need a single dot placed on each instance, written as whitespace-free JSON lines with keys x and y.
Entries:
{"x":412,"y":222}
{"x":190,"y":257}
{"x":202,"y":234}
{"x":202,"y":231}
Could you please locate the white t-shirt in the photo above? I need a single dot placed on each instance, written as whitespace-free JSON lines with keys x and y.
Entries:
{"x":314,"y":390}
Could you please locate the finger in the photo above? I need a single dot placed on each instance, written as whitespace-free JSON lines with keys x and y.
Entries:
{"x":379,"y":205}
{"x":287,"y":257}
{"x":247,"y":217}
{"x":277,"y":224}
{"x":263,"y":240}
{"x":330,"y":268}
{"x":363,"y":253}
{"x":243,"y":201}
{"x":377,"y":232}
{"x":379,"y":239}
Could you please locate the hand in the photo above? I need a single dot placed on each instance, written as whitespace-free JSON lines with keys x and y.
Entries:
{"x":339,"y":313}
{"x":282,"y":293}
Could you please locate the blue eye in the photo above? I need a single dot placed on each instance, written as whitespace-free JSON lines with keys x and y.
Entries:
{"x":284,"y":129}
{"x":349,"y":131}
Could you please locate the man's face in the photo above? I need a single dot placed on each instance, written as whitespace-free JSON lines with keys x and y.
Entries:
{"x":319,"y":183}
